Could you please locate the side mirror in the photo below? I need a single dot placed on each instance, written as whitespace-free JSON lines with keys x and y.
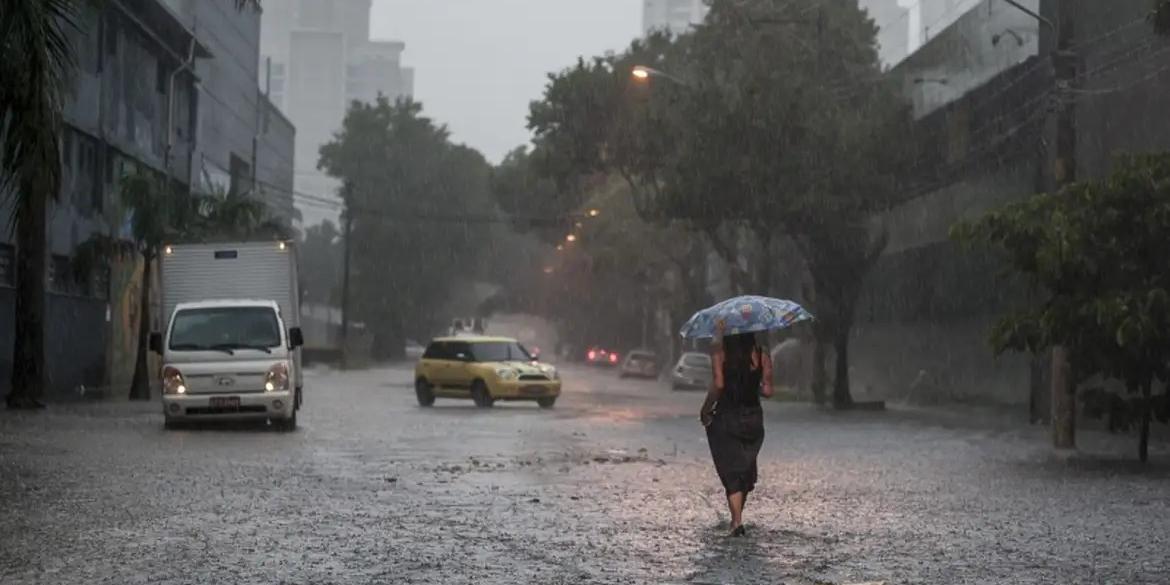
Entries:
{"x":295,"y":337}
{"x":156,"y":343}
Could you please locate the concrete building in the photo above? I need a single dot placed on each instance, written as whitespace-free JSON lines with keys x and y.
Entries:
{"x":243,"y":142}
{"x":677,"y":16}
{"x":135,"y":106}
{"x":322,"y":58}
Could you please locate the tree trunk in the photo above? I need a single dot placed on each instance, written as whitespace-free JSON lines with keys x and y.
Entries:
{"x":1144,"y":440}
{"x":819,"y":376}
{"x":28,"y":356}
{"x":140,"y":383}
{"x":1063,"y":402}
{"x":842,"y":399}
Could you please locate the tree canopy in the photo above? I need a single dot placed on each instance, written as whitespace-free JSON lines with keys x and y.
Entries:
{"x":1097,"y":251}
{"x":770,"y":120}
{"x":419,"y":206}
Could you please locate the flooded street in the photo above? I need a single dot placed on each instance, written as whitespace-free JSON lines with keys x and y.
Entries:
{"x":612,"y":486}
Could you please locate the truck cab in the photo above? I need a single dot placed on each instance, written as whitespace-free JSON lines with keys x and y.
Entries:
{"x":229,"y":359}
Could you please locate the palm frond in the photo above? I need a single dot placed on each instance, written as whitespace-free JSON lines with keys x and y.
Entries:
{"x":36,"y":63}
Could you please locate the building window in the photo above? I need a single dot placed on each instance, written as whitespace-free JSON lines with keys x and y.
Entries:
{"x":7,"y":265}
{"x":60,"y":279}
{"x":240,"y":181}
{"x":100,"y":282}
{"x":162,"y":76}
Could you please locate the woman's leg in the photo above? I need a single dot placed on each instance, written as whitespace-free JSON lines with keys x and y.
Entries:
{"x":735,"y":503}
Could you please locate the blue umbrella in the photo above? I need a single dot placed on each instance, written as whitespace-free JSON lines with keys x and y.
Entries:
{"x":745,"y":314}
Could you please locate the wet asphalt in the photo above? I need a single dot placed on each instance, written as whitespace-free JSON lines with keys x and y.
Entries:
{"x":612,"y":486}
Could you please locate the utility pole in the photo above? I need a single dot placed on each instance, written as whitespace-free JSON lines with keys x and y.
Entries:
{"x":348,"y":236}
{"x":1059,"y":173}
{"x":1064,"y":172}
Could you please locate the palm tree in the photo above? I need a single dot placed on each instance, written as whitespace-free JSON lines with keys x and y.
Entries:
{"x":36,"y":61}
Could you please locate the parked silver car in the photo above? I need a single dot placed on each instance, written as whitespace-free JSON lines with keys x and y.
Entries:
{"x":693,"y":372}
{"x":640,"y":363}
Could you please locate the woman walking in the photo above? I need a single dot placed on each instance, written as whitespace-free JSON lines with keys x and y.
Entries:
{"x":733,"y":417}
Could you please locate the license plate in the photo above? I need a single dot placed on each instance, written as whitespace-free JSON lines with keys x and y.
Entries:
{"x":532,"y":390}
{"x":225,"y":402}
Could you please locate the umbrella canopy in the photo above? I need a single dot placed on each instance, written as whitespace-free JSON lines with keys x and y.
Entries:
{"x":746,"y":314}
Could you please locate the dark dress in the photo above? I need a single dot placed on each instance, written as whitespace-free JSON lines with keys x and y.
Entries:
{"x":736,"y":432}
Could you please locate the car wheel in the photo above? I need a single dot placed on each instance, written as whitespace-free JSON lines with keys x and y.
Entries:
{"x":481,"y":395}
{"x":424,"y":393}
{"x":546,"y":402}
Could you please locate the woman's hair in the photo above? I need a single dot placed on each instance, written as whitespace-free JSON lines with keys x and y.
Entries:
{"x":737,"y":350}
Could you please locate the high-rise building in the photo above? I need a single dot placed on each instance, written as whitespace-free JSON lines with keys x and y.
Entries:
{"x":322,"y":58}
{"x":677,"y":16}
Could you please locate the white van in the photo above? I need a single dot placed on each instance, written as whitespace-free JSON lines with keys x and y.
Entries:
{"x":231,"y":349}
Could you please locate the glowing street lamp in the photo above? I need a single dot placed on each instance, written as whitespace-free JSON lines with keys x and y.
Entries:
{"x":594,"y":212}
{"x":571,"y":238}
{"x":644,"y":73}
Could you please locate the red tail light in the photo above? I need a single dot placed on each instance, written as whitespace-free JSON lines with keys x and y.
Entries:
{"x":613,"y":358}
{"x":592,"y":355}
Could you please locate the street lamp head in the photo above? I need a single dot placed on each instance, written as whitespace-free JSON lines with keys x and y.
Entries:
{"x":594,"y":212}
{"x":641,"y":72}
{"x":571,"y":238}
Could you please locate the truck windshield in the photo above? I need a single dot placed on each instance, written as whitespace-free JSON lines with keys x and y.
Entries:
{"x":225,"y":329}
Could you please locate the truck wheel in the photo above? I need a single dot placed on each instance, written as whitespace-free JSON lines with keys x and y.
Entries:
{"x":424,"y":393}
{"x":546,"y":402}
{"x":286,"y":425}
{"x":481,"y":395}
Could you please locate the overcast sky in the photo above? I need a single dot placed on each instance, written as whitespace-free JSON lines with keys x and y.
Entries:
{"x":479,"y":62}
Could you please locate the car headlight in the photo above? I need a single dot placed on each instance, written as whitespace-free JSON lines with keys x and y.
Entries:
{"x":551,"y":372}
{"x":277,"y":378}
{"x":173,"y":382}
{"x":506,"y":374}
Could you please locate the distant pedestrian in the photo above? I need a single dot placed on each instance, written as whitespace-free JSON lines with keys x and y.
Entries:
{"x":734,"y":419}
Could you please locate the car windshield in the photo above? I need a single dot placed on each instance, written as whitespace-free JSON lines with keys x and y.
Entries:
{"x":696,"y":360}
{"x":225,"y":328}
{"x":500,"y":351}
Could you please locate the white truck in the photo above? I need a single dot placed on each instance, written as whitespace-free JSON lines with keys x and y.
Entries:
{"x":232,"y":345}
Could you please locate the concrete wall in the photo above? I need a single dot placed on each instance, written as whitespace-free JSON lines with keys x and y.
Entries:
{"x":988,"y":39}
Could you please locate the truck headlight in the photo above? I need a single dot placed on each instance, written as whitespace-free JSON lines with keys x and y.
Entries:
{"x":506,"y":374}
{"x":173,"y":382}
{"x":277,"y":378}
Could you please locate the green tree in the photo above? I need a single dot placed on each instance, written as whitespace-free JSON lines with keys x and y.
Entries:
{"x":420,"y":208}
{"x":763,"y":128}
{"x":1096,"y":251}
{"x":36,"y":61}
{"x":321,"y":260}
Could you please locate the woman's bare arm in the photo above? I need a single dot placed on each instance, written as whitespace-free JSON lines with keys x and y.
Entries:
{"x":766,"y":388}
{"x":716,"y":390}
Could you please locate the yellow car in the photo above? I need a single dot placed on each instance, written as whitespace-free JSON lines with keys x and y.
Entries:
{"x":484,"y":369}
